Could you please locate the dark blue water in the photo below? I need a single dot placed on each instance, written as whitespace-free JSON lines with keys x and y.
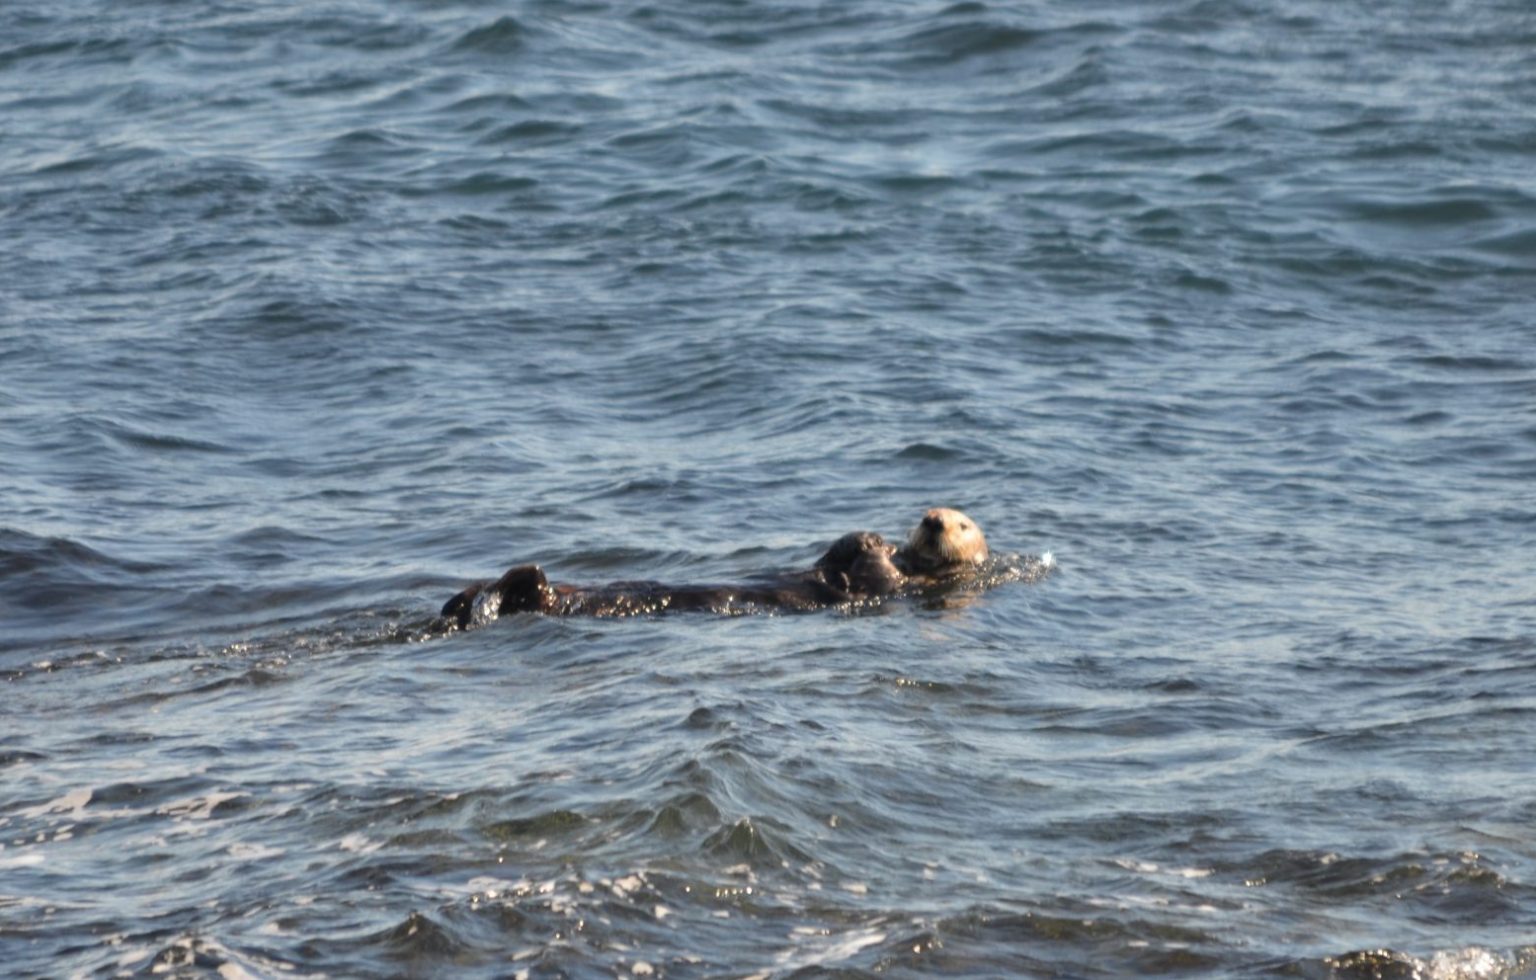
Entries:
{"x":312,"y":313}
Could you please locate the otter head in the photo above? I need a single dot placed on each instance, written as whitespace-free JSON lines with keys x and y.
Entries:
{"x":874,"y":573}
{"x":847,"y":549}
{"x":944,"y":540}
{"x":860,"y":564}
{"x":524,"y":589}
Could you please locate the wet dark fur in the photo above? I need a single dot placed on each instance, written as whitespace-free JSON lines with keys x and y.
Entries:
{"x":857,"y":566}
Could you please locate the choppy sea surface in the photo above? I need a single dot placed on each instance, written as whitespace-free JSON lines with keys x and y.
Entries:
{"x":310,"y":313}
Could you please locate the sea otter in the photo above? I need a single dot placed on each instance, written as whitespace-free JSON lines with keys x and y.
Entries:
{"x":857,"y":566}
{"x":944,"y":546}
{"x":945,"y":543}
{"x":860,"y":564}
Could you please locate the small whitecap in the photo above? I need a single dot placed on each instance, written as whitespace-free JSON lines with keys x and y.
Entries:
{"x":71,"y":803}
{"x":488,"y":886}
{"x":133,"y":957}
{"x":1471,"y":963}
{"x":627,"y":884}
{"x":196,"y":807}
{"x":234,"y":971}
{"x":29,"y":859}
{"x":358,"y":844}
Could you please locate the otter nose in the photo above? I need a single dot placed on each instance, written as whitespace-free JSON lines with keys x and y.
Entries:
{"x":933,"y":522}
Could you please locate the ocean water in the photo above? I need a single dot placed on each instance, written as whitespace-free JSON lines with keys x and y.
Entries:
{"x":310,"y":313}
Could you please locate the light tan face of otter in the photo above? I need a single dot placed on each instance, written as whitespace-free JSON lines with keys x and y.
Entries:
{"x":947,"y":537}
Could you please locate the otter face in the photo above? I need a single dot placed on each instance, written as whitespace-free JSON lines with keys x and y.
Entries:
{"x":874,"y":573}
{"x":860,"y":564}
{"x":847,"y":549}
{"x":944,"y":539}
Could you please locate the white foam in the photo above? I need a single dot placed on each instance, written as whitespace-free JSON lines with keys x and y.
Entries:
{"x":196,"y":807}
{"x":1472,"y":963}
{"x":26,"y":859}
{"x":358,"y":844}
{"x":623,"y":886}
{"x":834,"y":949}
{"x":487,"y":606}
{"x":72,"y":803}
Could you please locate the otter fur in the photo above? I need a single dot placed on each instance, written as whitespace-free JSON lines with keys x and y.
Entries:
{"x":944,"y":546}
{"x":857,"y":566}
